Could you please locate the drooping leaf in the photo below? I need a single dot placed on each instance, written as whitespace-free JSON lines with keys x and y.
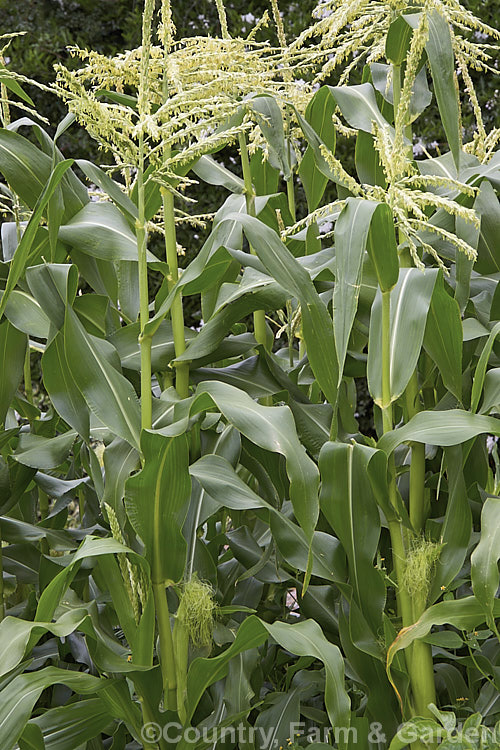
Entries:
{"x":100,"y":229}
{"x":44,"y":453}
{"x":316,"y":321}
{"x":464,"y":614}
{"x":73,"y":725}
{"x":19,"y":697}
{"x":54,"y":286}
{"x":20,"y":259}
{"x":273,"y":429}
{"x":26,"y":314}
{"x":109,"y":395}
{"x":222,"y":483}
{"x":15,"y":635}
{"x":359,"y":106}
{"x":62,"y":388}
{"x":440,"y":428}
{"x":110,"y":187}
{"x":303,"y":639}
{"x":209,"y":170}
{"x":25,"y":167}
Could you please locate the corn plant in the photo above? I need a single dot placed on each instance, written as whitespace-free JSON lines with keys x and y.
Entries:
{"x":196,"y":533}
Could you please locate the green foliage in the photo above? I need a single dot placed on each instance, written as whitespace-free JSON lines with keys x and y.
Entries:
{"x":196,"y":524}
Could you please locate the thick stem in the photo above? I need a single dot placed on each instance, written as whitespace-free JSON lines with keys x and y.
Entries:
{"x":419,"y":655}
{"x":395,"y":527}
{"x":161,"y":607}
{"x":144,"y":341}
{"x":259,"y":316}
{"x":422,"y":671}
{"x":181,"y":639}
{"x":422,"y":680}
{"x":176,"y":312}
{"x":417,"y":466}
{"x":167,"y":657}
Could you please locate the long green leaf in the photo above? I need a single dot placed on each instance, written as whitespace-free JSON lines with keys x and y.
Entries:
{"x":355,"y":228}
{"x":44,"y":453}
{"x":208,"y":170}
{"x":303,"y":639}
{"x":444,"y":336}
{"x":349,"y":505}
{"x":359,"y":106}
{"x":464,"y":614}
{"x":15,"y":635}
{"x":484,"y":559}
{"x":479,"y":375}
{"x":156,"y":503}
{"x":25,"y":167}
{"x":110,"y":187}
{"x":18,"y":263}
{"x":62,"y":388}
{"x":410,"y":302}
{"x":19,"y":697}
{"x":27,"y":315}
{"x":318,"y":114}
{"x":439,"y":50}
{"x":273,"y":429}
{"x":316,"y":321}
{"x":457,"y":525}
{"x":109,"y":395}
{"x":73,"y":725}
{"x":218,"y":478}
{"x":440,"y":428}
{"x":12,"y":354}
{"x":100,"y":230}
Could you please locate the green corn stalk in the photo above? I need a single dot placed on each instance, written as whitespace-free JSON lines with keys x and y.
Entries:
{"x":259,"y":316}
